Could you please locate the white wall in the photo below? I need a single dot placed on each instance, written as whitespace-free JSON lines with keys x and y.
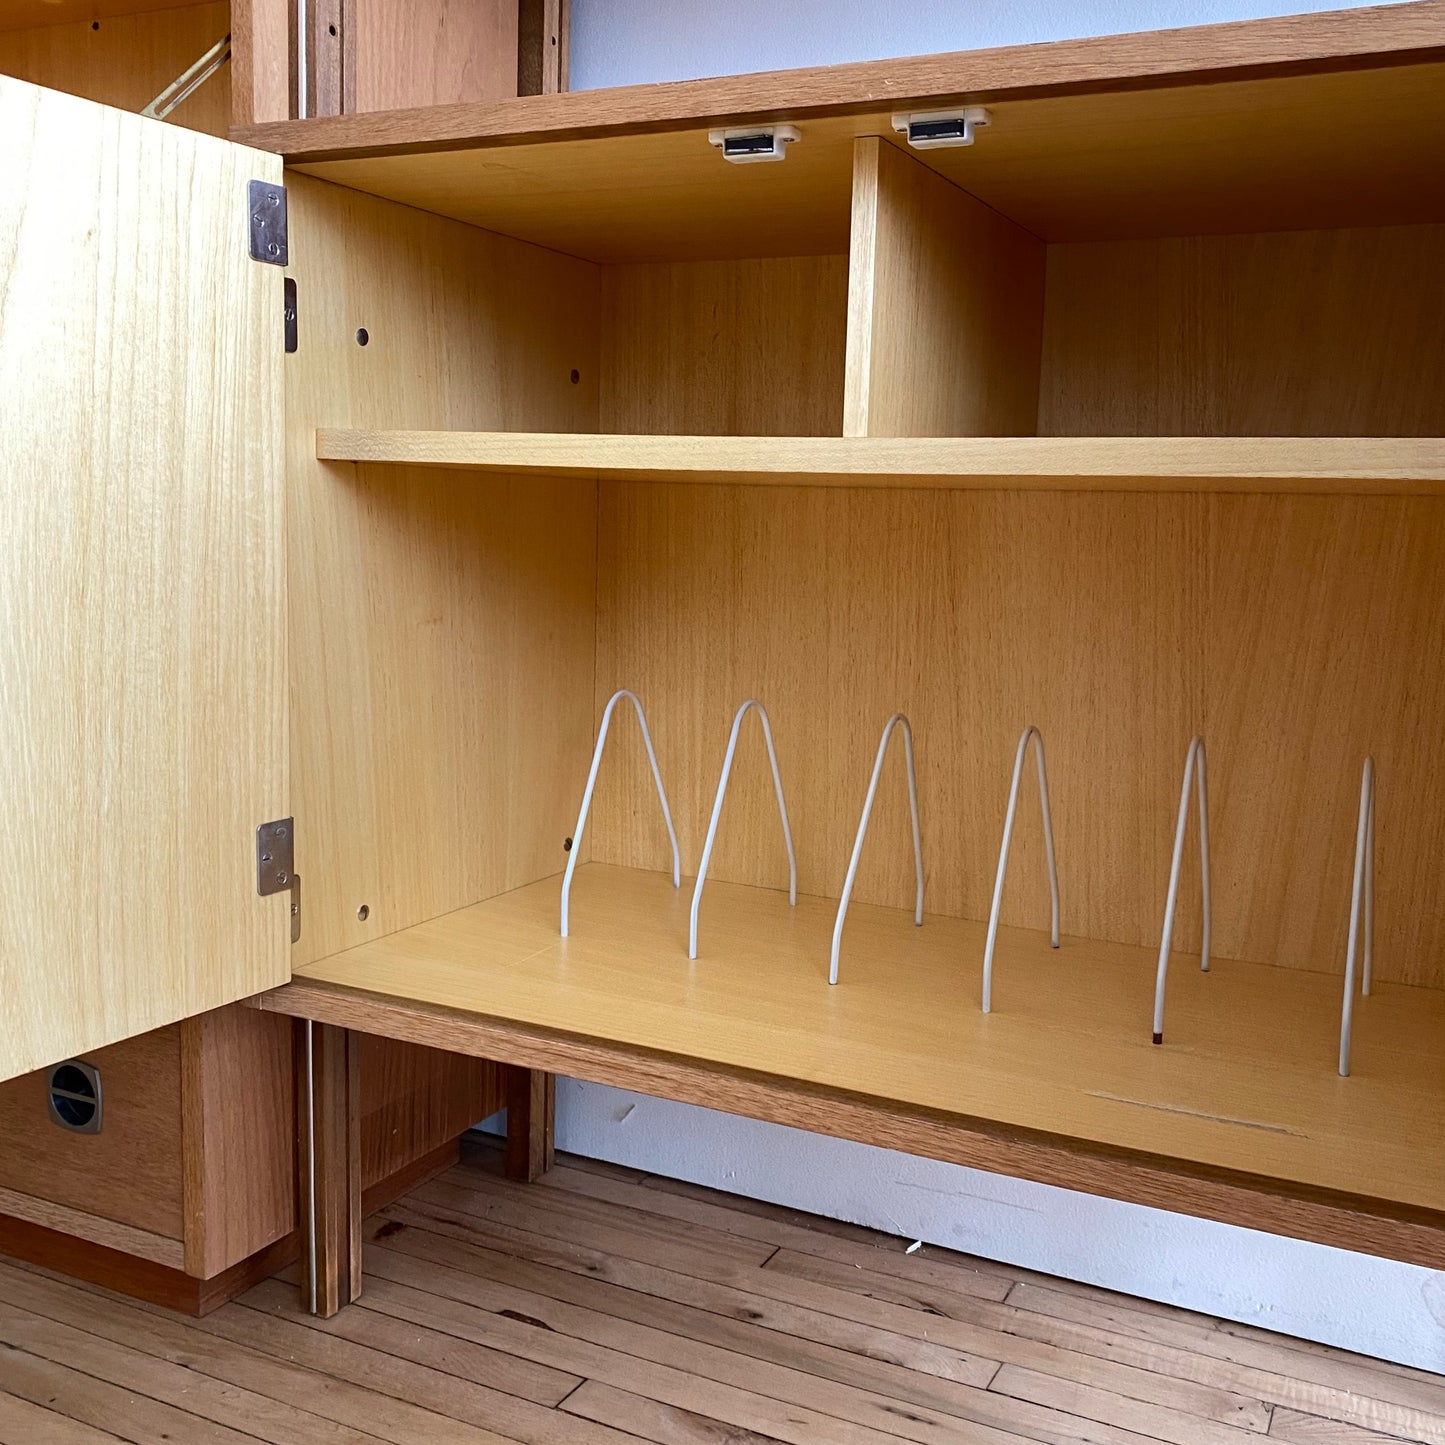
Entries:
{"x":627,"y":42}
{"x":1391,"y":1310}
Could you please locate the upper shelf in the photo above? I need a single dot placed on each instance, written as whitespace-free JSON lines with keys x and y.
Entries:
{"x":1384,"y":466}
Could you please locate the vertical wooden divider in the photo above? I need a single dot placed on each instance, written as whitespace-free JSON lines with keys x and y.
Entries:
{"x":945,"y":307}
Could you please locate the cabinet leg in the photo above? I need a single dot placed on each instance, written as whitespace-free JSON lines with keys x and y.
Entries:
{"x":329,"y":1134}
{"x":531,"y":1106}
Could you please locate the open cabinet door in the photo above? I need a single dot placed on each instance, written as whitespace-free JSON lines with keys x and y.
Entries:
{"x":142,"y":577}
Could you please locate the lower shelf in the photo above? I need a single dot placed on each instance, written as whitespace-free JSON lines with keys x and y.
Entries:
{"x":1244,"y":1082}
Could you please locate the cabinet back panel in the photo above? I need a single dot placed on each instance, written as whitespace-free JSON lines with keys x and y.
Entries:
{"x":1295,"y":633}
{"x":442,"y":632}
{"x":127,"y":60}
{"x":724,"y":348}
{"x":1303,"y":333}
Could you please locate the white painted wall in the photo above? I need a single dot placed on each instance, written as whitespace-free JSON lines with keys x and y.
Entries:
{"x":1391,"y":1310}
{"x":627,"y":42}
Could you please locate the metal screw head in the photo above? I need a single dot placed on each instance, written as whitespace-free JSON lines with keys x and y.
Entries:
{"x":282,"y":879}
{"x":363,"y":913}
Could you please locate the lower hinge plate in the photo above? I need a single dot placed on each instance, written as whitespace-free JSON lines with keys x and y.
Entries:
{"x":275,"y":866}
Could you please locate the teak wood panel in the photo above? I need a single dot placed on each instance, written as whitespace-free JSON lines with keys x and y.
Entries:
{"x":262,"y":82}
{"x":1308,"y":333}
{"x":1245,"y":1080}
{"x":415,"y":1100}
{"x":125,"y":61}
{"x":1296,"y":634}
{"x":130,"y":1172}
{"x":429,"y":52}
{"x":945,"y":307}
{"x":143,"y":660}
{"x":724,"y":348}
{"x":238,"y":1156}
{"x":442,"y":640}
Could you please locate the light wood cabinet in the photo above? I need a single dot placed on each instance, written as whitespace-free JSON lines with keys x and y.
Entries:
{"x":1124,"y":421}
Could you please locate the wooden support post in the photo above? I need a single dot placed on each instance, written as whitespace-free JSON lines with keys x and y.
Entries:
{"x":329,"y":1106}
{"x":531,"y":1107}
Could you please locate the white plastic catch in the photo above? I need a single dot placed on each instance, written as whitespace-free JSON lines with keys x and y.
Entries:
{"x":746,"y":144}
{"x":934,"y":129}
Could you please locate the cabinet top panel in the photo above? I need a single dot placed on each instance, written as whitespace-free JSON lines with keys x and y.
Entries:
{"x":1368,"y":37}
{"x":1309,"y":122}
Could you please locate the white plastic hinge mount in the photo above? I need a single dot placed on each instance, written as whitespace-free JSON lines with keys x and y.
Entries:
{"x":745,"y":144}
{"x":931,"y":129}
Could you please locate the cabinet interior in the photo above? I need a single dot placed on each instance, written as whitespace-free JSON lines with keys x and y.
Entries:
{"x":448,"y":691}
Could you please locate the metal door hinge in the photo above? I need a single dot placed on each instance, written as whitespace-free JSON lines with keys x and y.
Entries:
{"x":288,"y":313}
{"x":275,"y":866}
{"x":267,"y":206}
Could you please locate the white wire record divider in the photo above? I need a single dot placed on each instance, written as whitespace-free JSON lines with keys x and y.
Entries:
{"x":1362,"y":891}
{"x":722,"y":787}
{"x":1051,"y":861}
{"x":888,"y":727}
{"x":592,"y":783}
{"x":1194,"y":770}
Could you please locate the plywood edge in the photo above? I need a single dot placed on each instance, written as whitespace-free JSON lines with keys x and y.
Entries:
{"x":1193,"y":55}
{"x":1347,"y":465}
{"x":1346,"y":1221}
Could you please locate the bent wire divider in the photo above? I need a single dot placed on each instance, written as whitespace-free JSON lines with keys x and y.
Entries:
{"x":1364,"y":882}
{"x":592,"y":783}
{"x":1052,"y":864}
{"x":888,"y":727}
{"x":722,"y":787}
{"x":1193,"y":759}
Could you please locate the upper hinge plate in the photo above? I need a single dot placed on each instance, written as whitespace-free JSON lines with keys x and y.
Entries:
{"x":266,"y":202}
{"x":275,"y":866}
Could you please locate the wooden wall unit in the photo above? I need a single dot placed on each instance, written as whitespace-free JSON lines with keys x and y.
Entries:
{"x":1286,"y":613}
{"x":1124,"y":421}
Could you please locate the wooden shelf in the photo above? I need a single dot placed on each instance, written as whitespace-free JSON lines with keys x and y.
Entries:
{"x":1244,"y":1082}
{"x":1348,"y":465}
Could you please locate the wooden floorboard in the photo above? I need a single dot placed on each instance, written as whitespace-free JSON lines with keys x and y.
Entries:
{"x":601,"y":1306}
